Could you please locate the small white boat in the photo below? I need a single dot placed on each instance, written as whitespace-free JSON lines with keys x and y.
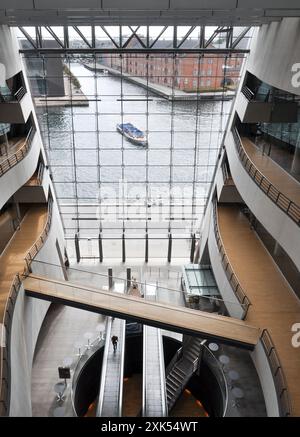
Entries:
{"x":133,"y":134}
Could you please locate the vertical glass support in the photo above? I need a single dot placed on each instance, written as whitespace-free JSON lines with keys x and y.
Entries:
{"x":146,"y":248}
{"x":123,"y":248}
{"x":110,"y":278}
{"x":170,"y":248}
{"x":100,"y":248}
{"x":77,"y":248}
{"x":128,"y":278}
{"x":193,"y":248}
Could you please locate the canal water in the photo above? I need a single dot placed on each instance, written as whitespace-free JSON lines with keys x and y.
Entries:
{"x":89,"y":158}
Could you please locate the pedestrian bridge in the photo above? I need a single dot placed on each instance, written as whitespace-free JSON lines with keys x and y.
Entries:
{"x":163,"y":315}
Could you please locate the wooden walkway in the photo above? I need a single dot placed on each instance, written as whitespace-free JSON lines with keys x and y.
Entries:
{"x":12,"y":258}
{"x":272,"y":171}
{"x":174,"y":318}
{"x":274,"y":304}
{"x":14,"y":145}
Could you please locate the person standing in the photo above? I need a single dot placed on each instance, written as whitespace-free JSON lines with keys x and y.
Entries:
{"x":114,"y":340}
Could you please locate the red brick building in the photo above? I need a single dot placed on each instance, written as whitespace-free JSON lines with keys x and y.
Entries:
{"x":181,"y":72}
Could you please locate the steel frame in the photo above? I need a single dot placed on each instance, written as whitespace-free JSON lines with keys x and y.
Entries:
{"x":146,"y":44}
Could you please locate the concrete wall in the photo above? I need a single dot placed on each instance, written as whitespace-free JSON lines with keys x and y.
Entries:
{"x":9,"y":52}
{"x":28,"y":317}
{"x":274,"y":52}
{"x":252,"y":112}
{"x":261,"y":363}
{"x":34,"y":193}
{"x":16,"y":112}
{"x":14,"y":178}
{"x":278,"y":224}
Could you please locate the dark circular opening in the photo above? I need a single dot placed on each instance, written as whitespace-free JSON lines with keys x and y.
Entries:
{"x":203,"y":395}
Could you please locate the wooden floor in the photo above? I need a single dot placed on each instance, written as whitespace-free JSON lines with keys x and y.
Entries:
{"x":12,"y":258}
{"x":33,"y":181}
{"x":272,"y":171}
{"x":274,"y":304}
{"x":176,"y":318}
{"x":282,"y":156}
{"x":15,"y":144}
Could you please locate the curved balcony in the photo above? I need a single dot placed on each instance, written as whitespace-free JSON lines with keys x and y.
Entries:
{"x":26,"y":243}
{"x":18,"y":167}
{"x":240,"y":295}
{"x":15,"y":107}
{"x":271,"y":194}
{"x":289,"y":202}
{"x":274,"y":305}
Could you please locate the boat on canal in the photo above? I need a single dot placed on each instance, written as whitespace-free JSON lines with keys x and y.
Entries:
{"x":133,"y":134}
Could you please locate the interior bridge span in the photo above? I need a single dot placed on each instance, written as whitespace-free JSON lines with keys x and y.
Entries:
{"x":163,"y":315}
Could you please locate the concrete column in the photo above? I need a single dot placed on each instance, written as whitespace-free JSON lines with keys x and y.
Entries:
{"x":9,"y":53}
{"x":296,"y":160}
{"x":110,"y":278}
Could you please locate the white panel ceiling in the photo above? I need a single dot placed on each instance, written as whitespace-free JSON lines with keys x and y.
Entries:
{"x":152,"y":12}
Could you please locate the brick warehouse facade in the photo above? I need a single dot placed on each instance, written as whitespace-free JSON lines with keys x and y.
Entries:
{"x":216,"y":72}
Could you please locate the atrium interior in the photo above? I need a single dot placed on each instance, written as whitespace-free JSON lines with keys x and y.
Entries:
{"x":149,"y":208}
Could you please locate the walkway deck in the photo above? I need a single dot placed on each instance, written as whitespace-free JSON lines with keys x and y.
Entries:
{"x":14,"y":145}
{"x":178,"y":319}
{"x":12,"y":258}
{"x":283,"y":157}
{"x":271,"y":170}
{"x":274,"y":304}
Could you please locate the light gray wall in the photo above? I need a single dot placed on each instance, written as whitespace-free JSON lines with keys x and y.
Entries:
{"x":9,"y":52}
{"x":16,"y":112}
{"x":275,"y":50}
{"x":262,"y":366}
{"x":14,"y":178}
{"x":34,"y":194}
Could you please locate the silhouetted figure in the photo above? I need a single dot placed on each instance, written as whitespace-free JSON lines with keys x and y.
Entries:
{"x":114,"y":340}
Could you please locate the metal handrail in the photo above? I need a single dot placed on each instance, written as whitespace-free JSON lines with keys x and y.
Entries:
{"x":40,"y":242}
{"x":223,"y":380}
{"x":12,"y":160}
{"x":277,"y":374}
{"x":282,"y":201}
{"x":231,"y":276}
{"x":247,"y":93}
{"x":163,"y":391}
{"x":40,"y":174}
{"x":141,"y":284}
{"x":104,"y":366}
{"x":20,"y":93}
{"x":5,"y":346}
{"x":7,"y":319}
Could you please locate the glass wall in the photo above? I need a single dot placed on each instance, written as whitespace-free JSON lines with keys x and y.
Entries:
{"x":107,"y":185}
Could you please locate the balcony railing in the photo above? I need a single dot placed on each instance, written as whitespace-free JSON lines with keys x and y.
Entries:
{"x":7,"y":320}
{"x":14,"y":97}
{"x":233,"y":280}
{"x":40,"y":242}
{"x":282,"y":201}
{"x":247,"y":93}
{"x":277,"y":373}
{"x":40,"y":173}
{"x":20,"y":93}
{"x":12,"y":160}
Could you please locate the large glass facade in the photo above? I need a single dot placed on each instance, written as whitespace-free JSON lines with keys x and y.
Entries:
{"x":110,"y":187}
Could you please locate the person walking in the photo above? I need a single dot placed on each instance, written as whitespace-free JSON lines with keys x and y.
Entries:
{"x":114,"y":340}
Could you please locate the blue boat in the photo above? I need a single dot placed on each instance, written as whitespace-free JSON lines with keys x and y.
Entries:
{"x":133,"y":134}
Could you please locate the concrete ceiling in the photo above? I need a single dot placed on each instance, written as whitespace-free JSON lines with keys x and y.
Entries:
{"x":142,"y":12}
